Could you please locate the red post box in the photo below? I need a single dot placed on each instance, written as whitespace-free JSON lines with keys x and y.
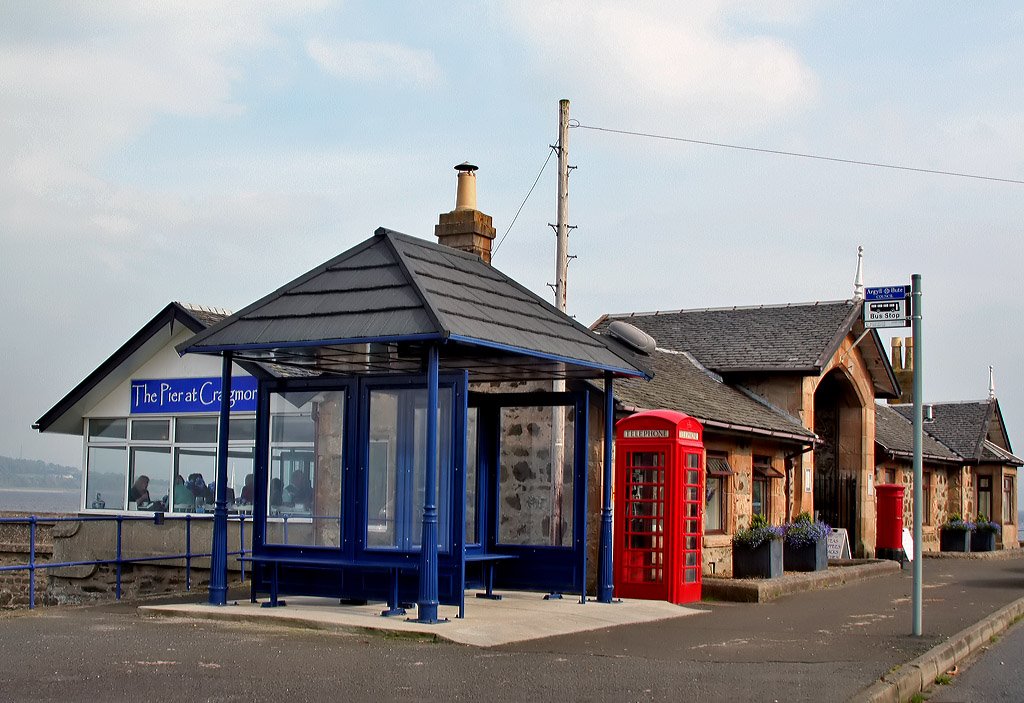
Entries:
{"x":889,"y":522}
{"x":659,"y":506}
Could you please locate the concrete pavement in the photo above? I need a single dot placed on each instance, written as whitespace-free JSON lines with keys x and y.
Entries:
{"x":832,"y":644}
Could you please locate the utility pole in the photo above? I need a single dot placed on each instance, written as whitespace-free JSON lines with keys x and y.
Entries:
{"x":917,"y":595}
{"x":561,"y":272}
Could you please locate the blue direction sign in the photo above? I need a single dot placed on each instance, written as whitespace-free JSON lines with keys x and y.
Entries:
{"x":887,"y":293}
{"x":887,"y":306}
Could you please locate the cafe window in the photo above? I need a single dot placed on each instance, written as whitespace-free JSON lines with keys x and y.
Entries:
{"x":1009,"y":500}
{"x":163,"y":464}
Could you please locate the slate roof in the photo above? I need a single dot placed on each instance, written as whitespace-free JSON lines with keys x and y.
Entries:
{"x":393,"y":289}
{"x":895,"y":434}
{"x":680,"y":384}
{"x":795,"y":337}
{"x":965,"y":427}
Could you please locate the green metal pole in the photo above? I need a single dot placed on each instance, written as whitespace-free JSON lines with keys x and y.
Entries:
{"x":918,"y":442}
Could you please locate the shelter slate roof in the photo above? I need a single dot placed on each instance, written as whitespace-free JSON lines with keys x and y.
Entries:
{"x":680,"y":384}
{"x":965,"y":427}
{"x":794,"y":337}
{"x":895,"y":434}
{"x":393,"y":288}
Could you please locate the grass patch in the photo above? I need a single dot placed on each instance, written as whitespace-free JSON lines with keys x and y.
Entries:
{"x":943,"y":679}
{"x":918,"y":698}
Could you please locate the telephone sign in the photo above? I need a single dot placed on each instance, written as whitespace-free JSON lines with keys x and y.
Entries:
{"x":887,"y":306}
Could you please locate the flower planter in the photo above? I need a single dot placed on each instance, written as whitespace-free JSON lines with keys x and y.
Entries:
{"x":762,"y":562}
{"x":983,"y":541}
{"x":806,"y":557}
{"x":954,"y":540}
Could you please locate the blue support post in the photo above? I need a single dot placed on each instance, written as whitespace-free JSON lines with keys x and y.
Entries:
{"x":188,"y":552}
{"x":241,"y":545}
{"x":32,"y":563}
{"x":428,"y":600}
{"x":604,"y":557}
{"x":117,"y":587}
{"x":219,"y":554}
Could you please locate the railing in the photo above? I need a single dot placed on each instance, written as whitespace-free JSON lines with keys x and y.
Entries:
{"x":119,"y":560}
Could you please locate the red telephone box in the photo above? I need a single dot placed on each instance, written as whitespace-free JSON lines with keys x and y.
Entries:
{"x":659,"y":506}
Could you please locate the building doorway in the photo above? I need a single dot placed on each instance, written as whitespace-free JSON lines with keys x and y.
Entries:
{"x":838,"y":459}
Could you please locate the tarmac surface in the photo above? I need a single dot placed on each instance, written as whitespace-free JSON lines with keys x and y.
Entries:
{"x":827,"y":645}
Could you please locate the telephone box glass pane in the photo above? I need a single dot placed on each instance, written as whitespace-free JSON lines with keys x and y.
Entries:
{"x":691,"y":558}
{"x":692,"y":478}
{"x":690,"y":576}
{"x":692,"y":494}
{"x":691,"y":542}
{"x":693,"y":461}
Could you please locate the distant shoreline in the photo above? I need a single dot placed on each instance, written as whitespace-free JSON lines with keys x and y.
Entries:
{"x":23,"y":489}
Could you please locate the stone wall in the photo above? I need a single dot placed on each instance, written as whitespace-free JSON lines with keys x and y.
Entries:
{"x":15,"y":550}
{"x":91,"y":541}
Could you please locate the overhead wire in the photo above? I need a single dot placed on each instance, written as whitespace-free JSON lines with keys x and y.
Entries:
{"x":779,"y":152}
{"x":523,"y":204}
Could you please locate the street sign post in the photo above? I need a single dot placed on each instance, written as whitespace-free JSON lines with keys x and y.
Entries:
{"x":887,"y":306}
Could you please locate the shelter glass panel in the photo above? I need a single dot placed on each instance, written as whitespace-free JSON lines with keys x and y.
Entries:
{"x":396,"y":470}
{"x":537,"y":465}
{"x":472,"y":466}
{"x":305,"y":468}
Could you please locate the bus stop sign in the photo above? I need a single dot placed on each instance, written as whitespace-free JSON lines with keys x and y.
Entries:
{"x":887,"y":306}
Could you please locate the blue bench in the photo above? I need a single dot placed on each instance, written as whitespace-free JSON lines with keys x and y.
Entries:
{"x":329,"y":562}
{"x":488,"y":560}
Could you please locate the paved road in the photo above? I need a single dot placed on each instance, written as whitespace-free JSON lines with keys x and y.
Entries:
{"x":825,"y":645}
{"x":997,"y":676}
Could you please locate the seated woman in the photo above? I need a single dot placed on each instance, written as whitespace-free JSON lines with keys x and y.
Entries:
{"x":183,"y":499}
{"x":139,"y":493}
{"x":247,"y":489}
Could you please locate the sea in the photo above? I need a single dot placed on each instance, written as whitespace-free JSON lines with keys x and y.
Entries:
{"x":40,"y":500}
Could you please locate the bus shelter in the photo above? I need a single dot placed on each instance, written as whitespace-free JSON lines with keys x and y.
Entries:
{"x":394,"y":461}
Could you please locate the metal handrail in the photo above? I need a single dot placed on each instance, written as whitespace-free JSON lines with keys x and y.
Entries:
{"x":158,"y":519}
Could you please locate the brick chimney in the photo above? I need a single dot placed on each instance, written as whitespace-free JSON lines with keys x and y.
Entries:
{"x":466,"y":228}
{"x":903,"y":367}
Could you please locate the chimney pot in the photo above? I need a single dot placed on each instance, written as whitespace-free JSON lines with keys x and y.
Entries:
{"x":465,"y":228}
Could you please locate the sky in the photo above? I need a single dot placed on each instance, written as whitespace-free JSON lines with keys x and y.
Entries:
{"x":210,"y":152}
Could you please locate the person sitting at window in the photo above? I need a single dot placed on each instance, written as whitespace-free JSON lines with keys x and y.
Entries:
{"x":276,"y":495}
{"x":139,"y":492}
{"x":184,"y":500}
{"x":247,"y":489}
{"x":298,"y":491}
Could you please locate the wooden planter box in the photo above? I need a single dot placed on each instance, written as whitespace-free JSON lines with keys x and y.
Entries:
{"x":983,"y":541}
{"x":762,"y":562}
{"x":954,"y":540}
{"x":809,"y":557}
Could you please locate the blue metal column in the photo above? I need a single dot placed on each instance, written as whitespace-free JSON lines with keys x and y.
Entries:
{"x":219,"y":553}
{"x":428,"y":601}
{"x":604,"y":557}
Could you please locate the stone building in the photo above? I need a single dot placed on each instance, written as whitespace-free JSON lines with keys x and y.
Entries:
{"x":814,"y":362}
{"x":752,"y":447}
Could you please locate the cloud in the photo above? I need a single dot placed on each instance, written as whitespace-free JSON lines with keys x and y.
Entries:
{"x":684,"y":61}
{"x":375,"y":62}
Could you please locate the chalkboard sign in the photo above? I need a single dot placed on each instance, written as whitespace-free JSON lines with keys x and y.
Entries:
{"x":839,"y":544}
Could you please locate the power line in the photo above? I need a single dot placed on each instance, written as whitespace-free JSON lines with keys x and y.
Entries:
{"x":817,"y":157}
{"x":523,"y":204}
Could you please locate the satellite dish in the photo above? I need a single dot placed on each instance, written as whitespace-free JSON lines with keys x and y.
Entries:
{"x":633,"y":337}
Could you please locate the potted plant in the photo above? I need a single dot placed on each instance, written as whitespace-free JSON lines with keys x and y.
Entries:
{"x":955,"y":535}
{"x":805,"y":545}
{"x":757,"y":550}
{"x":983,"y":538}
